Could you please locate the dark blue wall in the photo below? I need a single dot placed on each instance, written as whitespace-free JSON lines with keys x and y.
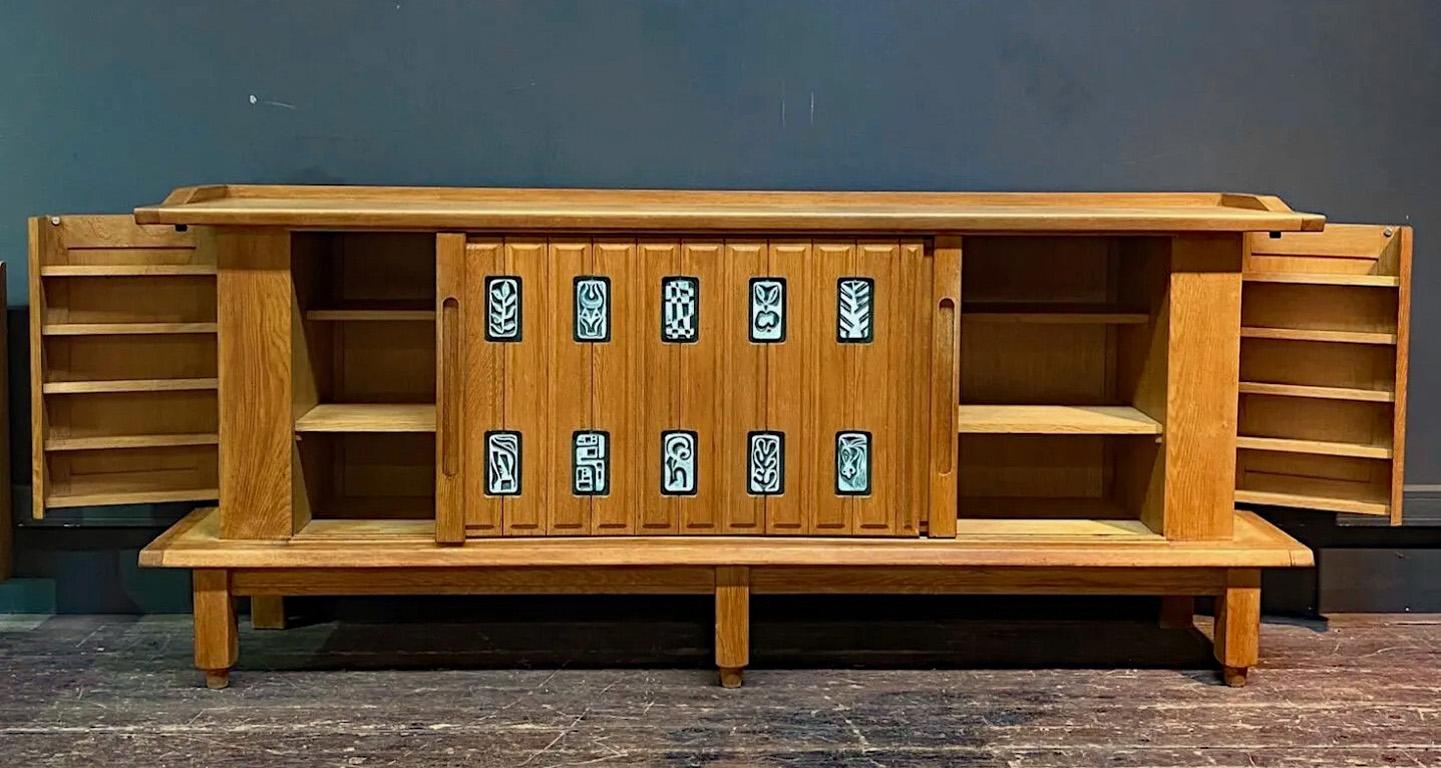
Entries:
{"x":1332,"y":105}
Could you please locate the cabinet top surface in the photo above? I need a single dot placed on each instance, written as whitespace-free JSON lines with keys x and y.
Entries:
{"x":345,"y":207}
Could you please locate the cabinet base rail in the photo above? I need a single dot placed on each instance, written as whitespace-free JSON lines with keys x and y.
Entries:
{"x":268,"y":571}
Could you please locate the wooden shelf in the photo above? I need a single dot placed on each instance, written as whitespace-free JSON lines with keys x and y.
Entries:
{"x":1316,"y":447}
{"x":379,"y":312}
{"x":1312,"y":278}
{"x":1055,"y":420}
{"x":194,"y":543}
{"x":156,"y":496}
{"x":127,"y":385}
{"x":1314,"y":493}
{"x":1297,"y":334}
{"x":1056,"y":313}
{"x":1319,"y":393}
{"x":128,"y":270}
{"x":368,"y":417}
{"x":56,"y":444}
{"x":117,"y":329}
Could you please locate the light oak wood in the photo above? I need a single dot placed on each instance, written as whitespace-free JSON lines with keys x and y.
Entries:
{"x":1323,"y":393}
{"x":193,"y":543}
{"x":1320,"y":447}
{"x":1055,"y":420}
{"x":447,"y":416}
{"x":1238,"y":625}
{"x":266,"y":611}
{"x":1301,"y":278}
{"x":570,"y":209}
{"x":255,"y":380}
{"x":130,"y":441}
{"x":732,"y":624}
{"x":217,"y":643}
{"x":123,"y":329}
{"x":945,"y":385}
{"x":1302,"y":334}
{"x":127,"y":270}
{"x":128,"y":385}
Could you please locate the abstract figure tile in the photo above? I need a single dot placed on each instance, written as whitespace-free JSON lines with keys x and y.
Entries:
{"x":590,"y":463}
{"x":855,"y":310}
{"x":765,"y":463}
{"x":680,"y":314}
{"x":502,"y":463}
{"x":853,"y":463}
{"x":678,"y":462}
{"x":592,"y":309}
{"x":767,"y":309}
{"x":503,"y":307}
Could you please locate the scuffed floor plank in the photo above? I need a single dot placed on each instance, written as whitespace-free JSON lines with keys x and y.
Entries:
{"x":119,"y":691}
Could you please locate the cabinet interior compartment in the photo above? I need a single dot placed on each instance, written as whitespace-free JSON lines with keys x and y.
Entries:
{"x":1063,"y":370}
{"x":131,"y":475}
{"x":363,"y":376}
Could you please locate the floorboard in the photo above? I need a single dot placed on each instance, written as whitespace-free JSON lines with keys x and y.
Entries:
{"x":594,"y":690}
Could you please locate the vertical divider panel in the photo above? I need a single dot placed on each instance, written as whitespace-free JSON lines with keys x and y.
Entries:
{"x":878,"y":400}
{"x":618,"y":388}
{"x":483,"y":380}
{"x":256,"y":299}
{"x":790,"y":379}
{"x":1203,"y":370}
{"x":568,"y":389}
{"x":40,"y":241}
{"x":830,"y":261}
{"x":741,"y":402}
{"x":702,"y":394}
{"x":1403,"y":364}
{"x":660,"y":394}
{"x":945,"y":381}
{"x":527,"y":375}
{"x":450,"y":400}
{"x":916,"y":365}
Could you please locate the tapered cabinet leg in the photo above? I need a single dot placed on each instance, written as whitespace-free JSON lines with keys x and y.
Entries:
{"x":267,"y":612}
{"x":732,"y":624}
{"x":216,"y":642}
{"x":1178,"y":612}
{"x":1238,"y":625}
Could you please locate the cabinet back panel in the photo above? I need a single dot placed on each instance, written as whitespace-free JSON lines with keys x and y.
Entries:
{"x":130,"y":300}
{"x":1033,"y":466}
{"x":130,"y":471}
{"x":131,"y":413}
{"x":1036,"y":364}
{"x":1319,"y":307}
{"x":100,"y":358}
{"x":1341,"y":421}
{"x":1319,"y":364}
{"x":1037,"y":269}
{"x":383,"y":362}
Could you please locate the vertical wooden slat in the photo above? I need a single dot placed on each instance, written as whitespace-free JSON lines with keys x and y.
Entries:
{"x":484,"y":389}
{"x":618,"y":381}
{"x":1203,"y":369}
{"x":567,"y":390}
{"x":39,"y":422}
{"x":878,"y":396}
{"x":917,"y":380}
{"x":830,"y":385}
{"x":254,"y":314}
{"x":659,"y":409}
{"x":217,"y":644}
{"x":1403,"y":364}
{"x":702,"y":394}
{"x":945,"y":306}
{"x":527,"y":382}
{"x":790,"y":406}
{"x":742,"y":372}
{"x":451,"y":302}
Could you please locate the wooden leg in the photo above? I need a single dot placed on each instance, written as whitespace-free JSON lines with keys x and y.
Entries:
{"x":1238,"y":625}
{"x":1177,"y":612}
{"x":732,"y":623}
{"x":216,"y":642}
{"x":267,"y":612}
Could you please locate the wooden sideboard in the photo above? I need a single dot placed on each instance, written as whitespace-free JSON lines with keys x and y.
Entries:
{"x":415,"y":391}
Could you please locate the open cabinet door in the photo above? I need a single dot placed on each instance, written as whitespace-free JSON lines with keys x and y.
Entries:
{"x":1322,"y":417}
{"x":122,"y":364}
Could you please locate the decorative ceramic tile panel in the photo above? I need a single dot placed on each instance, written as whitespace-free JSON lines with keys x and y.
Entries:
{"x":678,"y":462}
{"x":765,"y":463}
{"x":680,"y":313}
{"x":855,"y":309}
{"x":592,"y":309}
{"x":590,"y":463}
{"x":767,"y":309}
{"x":853,"y":463}
{"x":503,"y":307}
{"x":502,"y":463}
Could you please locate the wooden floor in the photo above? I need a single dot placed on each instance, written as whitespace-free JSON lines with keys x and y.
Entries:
{"x":592,"y":690}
